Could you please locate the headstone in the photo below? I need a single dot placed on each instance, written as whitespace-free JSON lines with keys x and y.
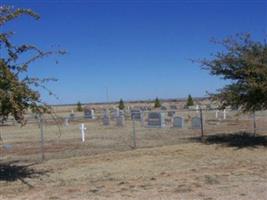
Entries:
{"x":136,"y":114}
{"x":72,"y":116}
{"x":173,"y":107}
{"x":178,"y":122}
{"x":197,"y":108}
{"x":105,"y":119}
{"x":191,"y":107}
{"x":216,"y":114}
{"x":7,"y":147}
{"x":142,"y":119}
{"x":163,"y":108}
{"x":66,"y":121}
{"x":156,"y":119}
{"x":89,"y":113}
{"x":115,"y":113}
{"x":196,"y":122}
{"x":171,"y":113}
{"x":82,"y":129}
{"x":120,"y":120}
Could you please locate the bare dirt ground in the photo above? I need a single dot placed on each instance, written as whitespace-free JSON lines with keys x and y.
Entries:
{"x":183,"y":171}
{"x":168,"y":163}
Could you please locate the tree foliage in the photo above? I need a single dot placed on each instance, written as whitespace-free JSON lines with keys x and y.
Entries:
{"x":121,"y":105}
{"x":189,"y":101}
{"x":243,"y":62}
{"x":79,"y":107}
{"x":157,"y":103}
{"x":18,"y":91}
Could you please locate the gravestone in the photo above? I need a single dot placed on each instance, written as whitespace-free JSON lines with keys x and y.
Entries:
{"x":7,"y":147}
{"x":66,"y":121}
{"x":156,"y":119}
{"x":89,"y":113}
{"x":163,"y":108}
{"x":115,"y":113}
{"x":72,"y":116}
{"x":136,"y":115}
{"x":105,"y":119}
{"x":178,"y":122}
{"x":196,"y":122}
{"x":171,"y":113}
{"x":197,"y":108}
{"x":173,"y":107}
{"x":191,"y":107}
{"x":120,"y":120}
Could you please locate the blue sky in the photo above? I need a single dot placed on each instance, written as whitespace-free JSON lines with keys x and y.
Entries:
{"x":138,"y":49}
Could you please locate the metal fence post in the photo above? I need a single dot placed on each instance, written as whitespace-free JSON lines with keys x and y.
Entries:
{"x":201,"y":123}
{"x":133,"y":136}
{"x":254,"y":124}
{"x":41,"y":126}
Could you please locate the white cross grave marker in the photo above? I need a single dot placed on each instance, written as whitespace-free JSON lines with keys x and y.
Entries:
{"x":82,"y":129}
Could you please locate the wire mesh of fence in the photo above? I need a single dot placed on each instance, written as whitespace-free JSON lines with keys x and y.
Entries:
{"x":62,"y":137}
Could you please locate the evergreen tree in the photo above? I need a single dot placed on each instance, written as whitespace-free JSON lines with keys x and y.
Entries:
{"x":121,"y":105}
{"x":189,"y":101}
{"x":157,"y":103}
{"x":79,"y":107}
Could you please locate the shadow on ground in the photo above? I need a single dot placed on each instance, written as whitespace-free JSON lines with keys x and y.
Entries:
{"x":14,"y":171}
{"x":238,"y":140}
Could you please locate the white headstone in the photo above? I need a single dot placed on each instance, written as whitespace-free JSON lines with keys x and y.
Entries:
{"x":156,"y":119}
{"x":82,"y":130}
{"x":216,"y":114}
{"x":197,"y":108}
{"x":66,"y":121}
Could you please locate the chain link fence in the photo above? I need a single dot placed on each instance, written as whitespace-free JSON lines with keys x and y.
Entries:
{"x":62,"y":138}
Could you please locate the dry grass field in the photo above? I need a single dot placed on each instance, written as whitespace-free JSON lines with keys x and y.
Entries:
{"x":168,"y":163}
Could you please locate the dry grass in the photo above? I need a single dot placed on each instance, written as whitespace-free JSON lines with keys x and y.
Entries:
{"x":184,"y":171}
{"x":165,"y":165}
